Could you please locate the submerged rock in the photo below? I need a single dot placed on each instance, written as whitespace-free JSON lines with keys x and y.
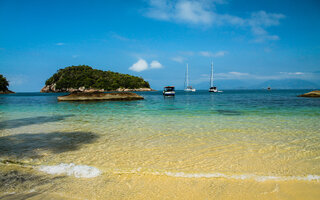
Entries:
{"x":98,"y":96}
{"x":315,"y":93}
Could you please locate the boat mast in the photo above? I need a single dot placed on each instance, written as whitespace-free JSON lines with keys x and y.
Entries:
{"x":187,"y":77}
{"x":211,"y":77}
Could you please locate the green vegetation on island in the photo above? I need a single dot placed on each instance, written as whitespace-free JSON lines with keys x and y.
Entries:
{"x":4,"y":84}
{"x":83,"y":76}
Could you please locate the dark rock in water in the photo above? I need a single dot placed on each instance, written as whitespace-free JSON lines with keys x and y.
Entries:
{"x":7,"y":92}
{"x":99,"y":96}
{"x":315,"y":93}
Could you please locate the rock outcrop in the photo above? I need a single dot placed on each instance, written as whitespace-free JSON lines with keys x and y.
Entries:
{"x":52,"y":89}
{"x":7,"y":92}
{"x":135,"y":90}
{"x":315,"y":93}
{"x":100,"y":96}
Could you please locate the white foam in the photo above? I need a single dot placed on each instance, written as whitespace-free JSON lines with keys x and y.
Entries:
{"x":242,"y":176}
{"x":226,"y":176}
{"x":79,"y":171}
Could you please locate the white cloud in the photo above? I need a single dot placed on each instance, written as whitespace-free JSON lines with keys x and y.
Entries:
{"x":155,"y":64}
{"x":211,"y":54}
{"x":193,"y":12}
{"x":178,"y":59}
{"x":183,"y":11}
{"x":60,"y":43}
{"x":142,"y":65}
{"x":204,"y":12}
{"x":139,"y":66}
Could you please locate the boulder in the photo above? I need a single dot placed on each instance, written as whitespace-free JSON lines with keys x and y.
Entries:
{"x":100,"y":96}
{"x":315,"y":93}
{"x":52,"y":89}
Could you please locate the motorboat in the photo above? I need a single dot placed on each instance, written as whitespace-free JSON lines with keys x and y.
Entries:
{"x":168,"y":91}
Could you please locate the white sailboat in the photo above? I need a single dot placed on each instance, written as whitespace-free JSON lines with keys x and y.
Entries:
{"x":188,"y":88}
{"x":212,"y":88}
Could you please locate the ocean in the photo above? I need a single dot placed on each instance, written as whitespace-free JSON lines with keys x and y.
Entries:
{"x":239,"y":144}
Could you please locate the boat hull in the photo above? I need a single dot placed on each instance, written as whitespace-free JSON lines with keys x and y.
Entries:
{"x":190,"y":90}
{"x":169,"y":93}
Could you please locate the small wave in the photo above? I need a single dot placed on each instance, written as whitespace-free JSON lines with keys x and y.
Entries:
{"x":244,"y":176}
{"x":226,"y":176}
{"x":79,"y":171}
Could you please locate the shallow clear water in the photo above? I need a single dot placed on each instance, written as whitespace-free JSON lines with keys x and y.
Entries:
{"x":236,"y":144}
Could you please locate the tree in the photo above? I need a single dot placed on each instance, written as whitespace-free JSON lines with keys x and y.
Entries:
{"x":3,"y":83}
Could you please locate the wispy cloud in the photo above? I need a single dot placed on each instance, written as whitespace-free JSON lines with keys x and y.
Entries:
{"x":60,"y":43}
{"x":142,"y":65}
{"x":292,"y":73}
{"x":120,"y":37}
{"x":213,"y":54}
{"x":178,"y":59}
{"x":182,"y":11}
{"x":17,"y":79}
{"x":276,"y":76}
{"x":204,"y":13}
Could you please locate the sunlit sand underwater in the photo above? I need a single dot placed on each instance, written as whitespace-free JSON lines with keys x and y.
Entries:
{"x":231,"y":145}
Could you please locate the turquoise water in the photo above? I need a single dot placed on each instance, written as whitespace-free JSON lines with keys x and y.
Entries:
{"x":235,"y":135}
{"x":230,"y":102}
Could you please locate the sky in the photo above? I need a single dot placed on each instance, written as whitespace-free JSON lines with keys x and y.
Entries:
{"x":249,"y":41}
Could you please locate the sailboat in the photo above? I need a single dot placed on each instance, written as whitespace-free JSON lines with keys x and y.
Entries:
{"x":188,"y":88}
{"x":212,"y":88}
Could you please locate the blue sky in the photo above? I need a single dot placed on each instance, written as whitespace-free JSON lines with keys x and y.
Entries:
{"x":249,"y":41}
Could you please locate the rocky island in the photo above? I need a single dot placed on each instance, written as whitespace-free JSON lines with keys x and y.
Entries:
{"x":100,"y":96}
{"x":84,"y":78}
{"x":4,"y":85}
{"x":315,"y":93}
